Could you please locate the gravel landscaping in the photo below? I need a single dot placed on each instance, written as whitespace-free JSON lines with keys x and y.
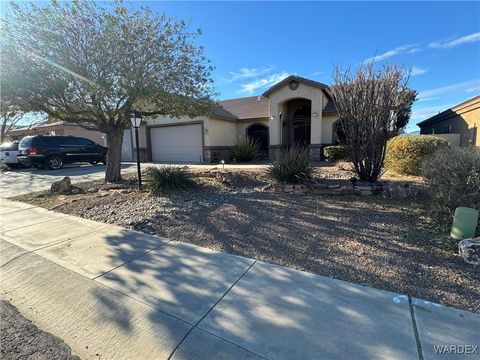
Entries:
{"x":383,"y":243}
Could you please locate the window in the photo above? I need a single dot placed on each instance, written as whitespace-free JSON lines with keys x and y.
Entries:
{"x":46,"y":141}
{"x":69,"y":141}
{"x":84,"y":142}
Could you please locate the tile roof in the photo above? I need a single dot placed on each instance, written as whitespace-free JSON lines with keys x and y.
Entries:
{"x":220,"y":112}
{"x":330,"y":108}
{"x":252,"y":107}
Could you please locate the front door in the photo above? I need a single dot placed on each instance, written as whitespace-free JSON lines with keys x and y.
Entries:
{"x":301,"y":127}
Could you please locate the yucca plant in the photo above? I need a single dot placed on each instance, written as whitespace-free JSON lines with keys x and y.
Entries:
{"x":245,"y":150}
{"x":292,"y":166}
{"x":168,"y":178}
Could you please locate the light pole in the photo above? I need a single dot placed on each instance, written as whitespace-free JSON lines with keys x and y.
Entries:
{"x":136,"y":119}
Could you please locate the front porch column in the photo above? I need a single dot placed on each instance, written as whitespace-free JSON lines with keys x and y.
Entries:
{"x":316,"y":128}
{"x":275,"y":130}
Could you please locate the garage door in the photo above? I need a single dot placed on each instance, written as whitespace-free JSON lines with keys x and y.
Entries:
{"x":180,"y":143}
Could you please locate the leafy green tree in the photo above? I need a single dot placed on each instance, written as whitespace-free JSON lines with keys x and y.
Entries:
{"x":93,"y":63}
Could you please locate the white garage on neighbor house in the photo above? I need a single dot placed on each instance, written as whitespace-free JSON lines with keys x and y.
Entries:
{"x":294,"y":111}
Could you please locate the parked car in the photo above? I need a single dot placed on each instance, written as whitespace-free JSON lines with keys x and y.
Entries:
{"x":55,"y":151}
{"x":8,"y":154}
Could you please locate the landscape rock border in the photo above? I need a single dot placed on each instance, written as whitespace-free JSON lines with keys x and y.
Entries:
{"x":325,"y":189}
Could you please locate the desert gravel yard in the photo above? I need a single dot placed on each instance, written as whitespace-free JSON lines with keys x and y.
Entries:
{"x":382,"y":243}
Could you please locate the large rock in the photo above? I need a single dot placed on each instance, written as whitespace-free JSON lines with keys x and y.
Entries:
{"x":469,"y":249}
{"x":63,"y":186}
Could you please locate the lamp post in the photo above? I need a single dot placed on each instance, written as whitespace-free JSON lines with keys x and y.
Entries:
{"x":136,"y":119}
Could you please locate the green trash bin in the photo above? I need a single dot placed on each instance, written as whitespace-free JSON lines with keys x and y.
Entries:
{"x":464,"y":223}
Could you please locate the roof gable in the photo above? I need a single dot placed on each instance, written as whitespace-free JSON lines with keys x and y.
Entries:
{"x":301,"y":80}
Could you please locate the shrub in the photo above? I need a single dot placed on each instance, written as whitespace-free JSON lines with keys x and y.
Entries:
{"x":292,"y":166}
{"x":168,"y":178}
{"x":453,"y":180}
{"x":335,"y":153}
{"x":405,"y":154}
{"x":245,"y":150}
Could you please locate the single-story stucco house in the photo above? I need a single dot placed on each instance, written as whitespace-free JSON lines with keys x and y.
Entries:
{"x":293,"y":111}
{"x":54,"y":127}
{"x":458,"y":124}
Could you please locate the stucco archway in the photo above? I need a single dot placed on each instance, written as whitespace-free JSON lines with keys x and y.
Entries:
{"x":259,"y":133}
{"x":296,"y":122}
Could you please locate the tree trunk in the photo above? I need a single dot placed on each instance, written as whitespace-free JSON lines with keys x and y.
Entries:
{"x":3,"y":130}
{"x":114,"y":155}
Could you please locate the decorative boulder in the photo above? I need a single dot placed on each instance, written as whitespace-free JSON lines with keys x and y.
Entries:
{"x":63,"y":186}
{"x":469,"y":250}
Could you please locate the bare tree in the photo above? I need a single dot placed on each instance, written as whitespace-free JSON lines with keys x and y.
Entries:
{"x":11,"y":116}
{"x":374,"y":105}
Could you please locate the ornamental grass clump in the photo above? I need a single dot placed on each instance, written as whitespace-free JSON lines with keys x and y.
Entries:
{"x":292,"y":166}
{"x":168,"y":178}
{"x":245,"y":150}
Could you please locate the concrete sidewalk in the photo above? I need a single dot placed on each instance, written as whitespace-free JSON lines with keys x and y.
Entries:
{"x":112,"y":293}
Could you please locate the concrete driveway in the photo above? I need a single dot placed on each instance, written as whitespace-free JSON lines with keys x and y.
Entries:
{"x":24,"y":181}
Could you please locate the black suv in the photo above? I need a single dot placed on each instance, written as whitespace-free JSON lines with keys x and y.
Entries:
{"x":54,"y":151}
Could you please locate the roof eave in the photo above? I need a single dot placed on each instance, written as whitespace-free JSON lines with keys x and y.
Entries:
{"x":302,"y":80}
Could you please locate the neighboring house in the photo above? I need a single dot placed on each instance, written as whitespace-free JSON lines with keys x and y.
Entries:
{"x":57,"y":128}
{"x":294,"y":111}
{"x":459,"y":124}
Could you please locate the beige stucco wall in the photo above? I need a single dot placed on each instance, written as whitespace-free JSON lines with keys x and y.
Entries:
{"x":471,"y":115}
{"x":283,"y":94}
{"x":463,"y":119}
{"x":220,"y":133}
{"x":327,"y":128}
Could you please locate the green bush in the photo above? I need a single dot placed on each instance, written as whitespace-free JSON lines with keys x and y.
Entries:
{"x":292,"y":166}
{"x":453,"y":179}
{"x":168,"y":178}
{"x":335,"y":153}
{"x":245,"y":150}
{"x":405,"y":154}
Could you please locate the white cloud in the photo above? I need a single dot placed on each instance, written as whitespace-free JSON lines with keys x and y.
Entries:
{"x":246,"y":73}
{"x":450,"y":43}
{"x":426,"y":112}
{"x":463,"y":86}
{"x":416,"y":70}
{"x":396,"y":51}
{"x":261,"y":83}
{"x":474,"y":89}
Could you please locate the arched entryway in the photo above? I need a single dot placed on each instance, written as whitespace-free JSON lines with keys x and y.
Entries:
{"x":296,"y":121}
{"x":259,"y":134}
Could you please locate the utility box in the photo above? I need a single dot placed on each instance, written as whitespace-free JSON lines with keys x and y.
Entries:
{"x":464,"y":223}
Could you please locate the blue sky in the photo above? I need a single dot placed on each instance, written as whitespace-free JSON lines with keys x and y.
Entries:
{"x":255,"y":44}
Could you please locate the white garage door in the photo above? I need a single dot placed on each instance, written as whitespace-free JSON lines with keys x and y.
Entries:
{"x":180,"y":143}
